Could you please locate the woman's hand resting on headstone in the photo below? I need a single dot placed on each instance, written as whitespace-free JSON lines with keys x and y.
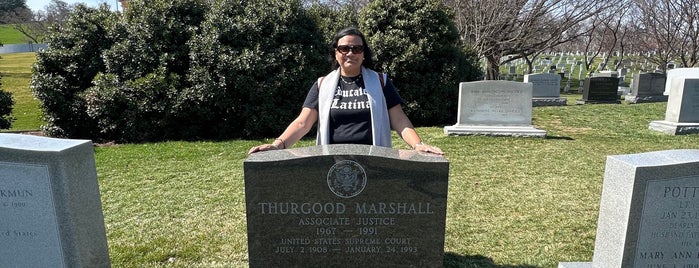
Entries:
{"x":421,"y":147}
{"x":263,"y":147}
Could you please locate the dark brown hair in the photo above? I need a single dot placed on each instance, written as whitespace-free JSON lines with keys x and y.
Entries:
{"x":368,"y":61}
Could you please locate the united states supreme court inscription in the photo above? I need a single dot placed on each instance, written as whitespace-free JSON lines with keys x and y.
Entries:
{"x":346,"y":206}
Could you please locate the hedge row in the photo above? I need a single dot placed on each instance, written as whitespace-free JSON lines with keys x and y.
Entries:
{"x":200,"y":69}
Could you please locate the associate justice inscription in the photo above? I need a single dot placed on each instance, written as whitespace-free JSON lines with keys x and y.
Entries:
{"x":346,"y":206}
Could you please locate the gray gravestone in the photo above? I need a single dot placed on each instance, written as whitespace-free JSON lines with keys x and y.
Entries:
{"x":600,"y":90}
{"x":497,"y":108}
{"x":545,"y":89}
{"x":346,"y":206}
{"x":50,"y":204}
{"x":614,"y":74}
{"x":649,"y":211}
{"x":681,"y":73}
{"x":682,"y":112}
{"x":647,"y":87}
{"x":623,"y":72}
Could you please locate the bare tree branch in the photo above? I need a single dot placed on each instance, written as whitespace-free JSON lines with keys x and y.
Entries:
{"x":519,"y":28}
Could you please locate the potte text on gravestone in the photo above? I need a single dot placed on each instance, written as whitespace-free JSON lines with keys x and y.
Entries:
{"x":649,"y":211}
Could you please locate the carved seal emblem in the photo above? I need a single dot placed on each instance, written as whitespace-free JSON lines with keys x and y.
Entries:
{"x":346,"y":179}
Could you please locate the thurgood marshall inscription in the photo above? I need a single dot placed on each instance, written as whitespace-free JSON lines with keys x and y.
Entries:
{"x":346,"y":206}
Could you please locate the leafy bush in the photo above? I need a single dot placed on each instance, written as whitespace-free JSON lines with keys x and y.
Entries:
{"x":66,"y":69}
{"x":200,"y":69}
{"x":138,"y":97}
{"x":417,"y":44}
{"x":329,"y":20}
{"x":6,"y":103}
{"x":252,"y":66}
{"x":178,"y":70}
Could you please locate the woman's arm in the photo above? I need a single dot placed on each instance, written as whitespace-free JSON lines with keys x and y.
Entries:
{"x":293,"y":133}
{"x":402,"y":125}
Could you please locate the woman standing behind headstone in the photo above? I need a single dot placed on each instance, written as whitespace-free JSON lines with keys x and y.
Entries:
{"x":352,"y":104}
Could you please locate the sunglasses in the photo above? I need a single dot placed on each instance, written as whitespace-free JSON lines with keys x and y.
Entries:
{"x":346,"y":49}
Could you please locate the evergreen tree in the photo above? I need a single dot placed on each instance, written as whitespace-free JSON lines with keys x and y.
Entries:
{"x":417,"y":44}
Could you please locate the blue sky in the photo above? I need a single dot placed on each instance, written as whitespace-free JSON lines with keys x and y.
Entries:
{"x":41,"y":4}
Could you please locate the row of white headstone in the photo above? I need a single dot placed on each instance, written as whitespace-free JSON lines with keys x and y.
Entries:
{"x":505,"y":107}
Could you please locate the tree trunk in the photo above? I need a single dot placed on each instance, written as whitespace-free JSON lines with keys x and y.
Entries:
{"x":492,"y":68}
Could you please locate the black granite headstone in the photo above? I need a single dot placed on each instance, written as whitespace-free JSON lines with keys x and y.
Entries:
{"x":600,"y":90}
{"x":647,"y":87}
{"x":346,"y":206}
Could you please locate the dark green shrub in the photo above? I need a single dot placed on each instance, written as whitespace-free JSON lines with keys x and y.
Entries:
{"x":137,"y":98}
{"x":417,"y":44}
{"x":136,"y":110}
{"x":6,"y":103}
{"x":200,"y":69}
{"x":179,"y":70}
{"x":66,"y":69}
{"x":330,"y":19}
{"x":252,"y":66}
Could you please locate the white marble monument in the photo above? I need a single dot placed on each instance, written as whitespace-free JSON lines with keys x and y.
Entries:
{"x":495,"y":108}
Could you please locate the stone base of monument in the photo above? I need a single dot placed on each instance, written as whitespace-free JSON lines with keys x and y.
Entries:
{"x":553,"y":101}
{"x":580,"y":102}
{"x":575,"y":265}
{"x":514,"y":131}
{"x":645,"y":99}
{"x":674,"y":128}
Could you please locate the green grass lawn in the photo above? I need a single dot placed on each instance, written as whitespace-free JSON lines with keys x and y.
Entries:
{"x":8,"y":35}
{"x":513,"y":202}
{"x":16,"y":75}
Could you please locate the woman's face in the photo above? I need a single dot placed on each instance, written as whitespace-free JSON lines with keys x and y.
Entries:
{"x":350,"y":55}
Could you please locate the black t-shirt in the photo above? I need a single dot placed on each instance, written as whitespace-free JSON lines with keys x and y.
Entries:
{"x":350,"y":114}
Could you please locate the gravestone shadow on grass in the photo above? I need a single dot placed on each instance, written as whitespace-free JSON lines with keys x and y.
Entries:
{"x":559,"y":138}
{"x":453,"y":260}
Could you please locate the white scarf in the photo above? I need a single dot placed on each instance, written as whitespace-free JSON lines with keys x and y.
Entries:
{"x":380,"y":123}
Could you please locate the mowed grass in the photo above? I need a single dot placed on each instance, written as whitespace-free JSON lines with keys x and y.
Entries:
{"x":513,"y":202}
{"x":16,"y":73}
{"x":9,"y":35}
